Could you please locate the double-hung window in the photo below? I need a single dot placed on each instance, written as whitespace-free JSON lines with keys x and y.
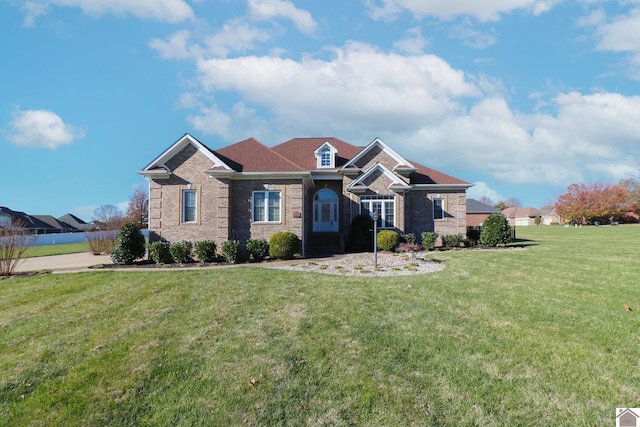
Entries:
{"x":384,"y":206}
{"x":189,"y":205}
{"x":438,"y":209}
{"x":266,"y":206}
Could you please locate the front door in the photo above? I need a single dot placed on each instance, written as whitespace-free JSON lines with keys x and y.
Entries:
{"x":325,"y":211}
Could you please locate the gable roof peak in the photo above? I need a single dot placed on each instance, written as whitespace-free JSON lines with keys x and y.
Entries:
{"x":377,"y":142}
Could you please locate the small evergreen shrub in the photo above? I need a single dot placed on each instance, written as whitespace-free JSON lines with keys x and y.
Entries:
{"x":284,"y":245}
{"x":181,"y":251}
{"x":258,"y":249}
{"x":159,"y":253}
{"x":408,"y":238}
{"x":537,"y":220}
{"x":130,"y":245}
{"x":451,"y":240}
{"x":205,"y":250}
{"x":361,"y":233}
{"x":230,"y":251}
{"x":429,"y":239}
{"x":495,"y":230}
{"x":388,"y":240}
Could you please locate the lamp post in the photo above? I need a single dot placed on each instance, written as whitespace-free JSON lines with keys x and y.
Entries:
{"x":375,"y":240}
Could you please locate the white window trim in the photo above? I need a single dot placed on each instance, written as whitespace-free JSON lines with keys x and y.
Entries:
{"x":266,"y":218}
{"x":384,"y":200}
{"x":184,"y":207}
{"x":332,"y":156}
{"x":441,"y":209}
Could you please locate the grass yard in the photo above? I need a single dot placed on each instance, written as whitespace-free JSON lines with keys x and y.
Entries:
{"x":59,"y":249}
{"x":532,"y":336}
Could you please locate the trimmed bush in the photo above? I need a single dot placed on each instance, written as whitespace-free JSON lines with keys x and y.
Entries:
{"x":495,"y":230}
{"x":388,"y":240}
{"x":284,"y":245}
{"x":181,"y":251}
{"x":130,"y":245}
{"x":361,"y":233}
{"x":429,"y":239}
{"x":206,"y":250}
{"x":258,"y":249}
{"x":230,"y":251}
{"x":451,"y":240}
{"x":408,"y":238}
{"x":159,"y":253}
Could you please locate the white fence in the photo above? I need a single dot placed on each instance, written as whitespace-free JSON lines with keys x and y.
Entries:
{"x":61,"y":238}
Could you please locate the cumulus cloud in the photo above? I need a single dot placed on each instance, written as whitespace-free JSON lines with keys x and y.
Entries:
{"x":413,"y":43}
{"x":481,"y":189}
{"x":621,"y":34}
{"x":487,"y":10}
{"x":269,"y":9}
{"x":171,"y":11}
{"x":357,"y":86}
{"x":41,"y":129}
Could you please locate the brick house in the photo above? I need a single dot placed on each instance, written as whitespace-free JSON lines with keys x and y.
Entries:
{"x":313,"y":187}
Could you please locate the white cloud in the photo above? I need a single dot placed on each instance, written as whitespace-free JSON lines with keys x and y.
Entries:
{"x":621,"y":34}
{"x":358,"y":86}
{"x":413,"y":43}
{"x":171,"y":11}
{"x":481,"y":189}
{"x":471,"y":37}
{"x":487,"y":10}
{"x":234,"y":36}
{"x":41,"y":129}
{"x":269,"y":9}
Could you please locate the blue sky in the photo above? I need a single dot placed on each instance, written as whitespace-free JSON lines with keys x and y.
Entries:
{"x":520,"y":97}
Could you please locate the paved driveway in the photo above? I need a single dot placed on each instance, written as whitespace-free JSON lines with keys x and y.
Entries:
{"x":63,"y":263}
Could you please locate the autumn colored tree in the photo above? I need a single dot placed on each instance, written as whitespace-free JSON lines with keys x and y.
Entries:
{"x":632,"y":187}
{"x":138,"y":210}
{"x":585,"y":203}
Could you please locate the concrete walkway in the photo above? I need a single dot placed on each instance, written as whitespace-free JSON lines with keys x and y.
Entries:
{"x":63,"y":263}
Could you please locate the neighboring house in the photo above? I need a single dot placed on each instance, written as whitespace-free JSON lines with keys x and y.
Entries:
{"x":313,"y":187}
{"x":521,"y":216}
{"x":76,"y":223}
{"x":38,"y":224}
{"x":549,"y":216}
{"x":477,"y":212}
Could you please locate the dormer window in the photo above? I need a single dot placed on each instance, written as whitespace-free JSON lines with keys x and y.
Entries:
{"x":326,"y":156}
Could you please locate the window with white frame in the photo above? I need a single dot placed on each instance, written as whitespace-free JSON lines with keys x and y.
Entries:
{"x":189,"y":205}
{"x":438,"y":209}
{"x":384,"y":206}
{"x":266,"y":206}
{"x":325,"y":157}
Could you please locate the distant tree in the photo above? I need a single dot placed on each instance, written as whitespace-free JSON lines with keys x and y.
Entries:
{"x":508,"y":203}
{"x":14,"y":241}
{"x":108,"y":217}
{"x":585,"y":203}
{"x":138,"y":210}
{"x":632,"y":187}
{"x":486,"y":200}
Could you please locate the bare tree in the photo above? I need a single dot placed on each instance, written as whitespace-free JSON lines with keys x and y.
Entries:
{"x":108,"y":217}
{"x":508,"y":203}
{"x":14,"y":241}
{"x":486,"y":200}
{"x":138,"y":210}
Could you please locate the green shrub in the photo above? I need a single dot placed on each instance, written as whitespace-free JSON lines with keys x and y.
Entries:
{"x":388,"y":240}
{"x":230,"y":251}
{"x":537,"y":220}
{"x":451,"y":240}
{"x":258,"y":249}
{"x":361,"y":233}
{"x":495,"y":230}
{"x":429,"y":239}
{"x":284,"y":245}
{"x":130,"y":245}
{"x":408,"y":238}
{"x":206,"y":250}
{"x":159,"y":252}
{"x":181,"y":251}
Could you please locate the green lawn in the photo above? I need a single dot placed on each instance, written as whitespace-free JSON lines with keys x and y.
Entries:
{"x":59,"y":249}
{"x":531,"y":336}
